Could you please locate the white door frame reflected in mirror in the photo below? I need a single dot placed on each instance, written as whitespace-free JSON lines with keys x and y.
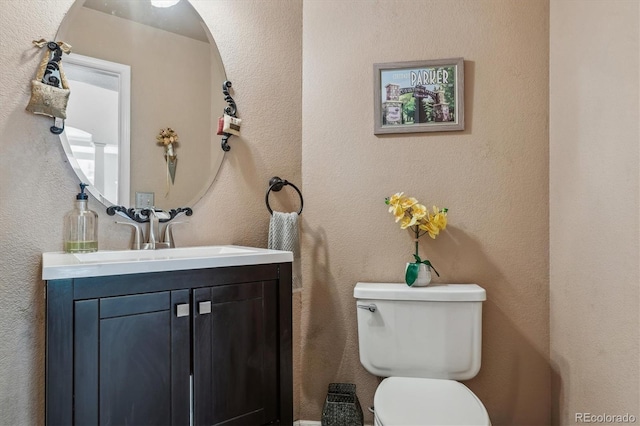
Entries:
{"x":92,"y":72}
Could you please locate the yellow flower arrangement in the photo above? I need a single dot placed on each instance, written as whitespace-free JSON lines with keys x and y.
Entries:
{"x":411,"y":214}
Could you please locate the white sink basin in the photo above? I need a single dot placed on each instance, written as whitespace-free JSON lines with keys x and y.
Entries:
{"x":66,"y":265}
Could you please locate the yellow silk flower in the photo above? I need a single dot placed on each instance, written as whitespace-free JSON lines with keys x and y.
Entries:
{"x":409,"y":212}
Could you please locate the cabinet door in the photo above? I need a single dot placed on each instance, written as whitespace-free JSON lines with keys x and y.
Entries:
{"x":132,"y":360}
{"x":235,"y":354}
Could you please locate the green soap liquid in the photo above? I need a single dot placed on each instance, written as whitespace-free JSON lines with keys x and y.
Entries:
{"x":80,"y":246}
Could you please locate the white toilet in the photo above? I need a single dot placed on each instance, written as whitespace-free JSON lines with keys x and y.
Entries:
{"x":422,"y":339}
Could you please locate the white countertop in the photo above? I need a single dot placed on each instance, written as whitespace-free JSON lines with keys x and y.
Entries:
{"x":58,"y":265}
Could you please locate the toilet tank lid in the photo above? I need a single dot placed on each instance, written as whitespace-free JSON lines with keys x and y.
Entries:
{"x":433,"y":292}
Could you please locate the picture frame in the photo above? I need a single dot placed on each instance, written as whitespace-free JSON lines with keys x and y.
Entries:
{"x":435,"y":85}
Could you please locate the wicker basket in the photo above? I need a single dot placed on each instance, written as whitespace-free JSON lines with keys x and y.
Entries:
{"x":341,"y":407}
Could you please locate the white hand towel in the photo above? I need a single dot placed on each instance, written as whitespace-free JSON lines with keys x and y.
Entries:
{"x":283,"y":235}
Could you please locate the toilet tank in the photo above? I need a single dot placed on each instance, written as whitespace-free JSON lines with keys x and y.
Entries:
{"x":432,"y":332}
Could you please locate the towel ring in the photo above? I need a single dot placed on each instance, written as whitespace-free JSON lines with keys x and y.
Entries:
{"x":276,"y":184}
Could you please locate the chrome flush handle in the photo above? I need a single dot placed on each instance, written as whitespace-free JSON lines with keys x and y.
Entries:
{"x":370,"y":307}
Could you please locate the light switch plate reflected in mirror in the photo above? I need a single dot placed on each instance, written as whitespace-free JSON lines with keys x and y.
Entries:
{"x":144,"y":200}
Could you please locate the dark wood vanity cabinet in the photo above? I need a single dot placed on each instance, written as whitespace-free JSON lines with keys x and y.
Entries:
{"x":202,"y":347}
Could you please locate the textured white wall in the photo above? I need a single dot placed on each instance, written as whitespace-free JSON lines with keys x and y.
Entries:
{"x":594,"y":207}
{"x":260,"y":44}
{"x":493,"y":177}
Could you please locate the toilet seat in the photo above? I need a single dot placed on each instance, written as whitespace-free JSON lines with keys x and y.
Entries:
{"x":408,"y":401}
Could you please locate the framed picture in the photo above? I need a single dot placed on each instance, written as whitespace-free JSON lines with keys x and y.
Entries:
{"x":419,"y":96}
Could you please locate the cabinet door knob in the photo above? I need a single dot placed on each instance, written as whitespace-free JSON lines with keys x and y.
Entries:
{"x":204,"y":308}
{"x":182,"y":310}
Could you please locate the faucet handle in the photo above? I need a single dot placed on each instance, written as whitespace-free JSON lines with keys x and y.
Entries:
{"x":162,"y":215}
{"x":137,"y":235}
{"x":168,"y":233}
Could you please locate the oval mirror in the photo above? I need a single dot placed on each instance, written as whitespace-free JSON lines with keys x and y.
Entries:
{"x":136,"y":69}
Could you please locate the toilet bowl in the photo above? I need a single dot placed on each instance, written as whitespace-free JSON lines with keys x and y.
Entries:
{"x":422,"y":340}
{"x":407,"y":401}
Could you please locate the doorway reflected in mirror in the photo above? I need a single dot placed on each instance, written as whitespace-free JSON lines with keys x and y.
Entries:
{"x":99,"y":148}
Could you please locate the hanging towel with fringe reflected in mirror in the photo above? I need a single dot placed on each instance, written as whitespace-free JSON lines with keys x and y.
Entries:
{"x":283,"y":235}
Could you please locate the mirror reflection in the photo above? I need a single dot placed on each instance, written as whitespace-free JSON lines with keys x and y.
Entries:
{"x":136,"y":70}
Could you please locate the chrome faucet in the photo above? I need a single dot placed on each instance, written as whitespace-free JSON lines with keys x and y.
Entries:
{"x":154,"y":229}
{"x":153,"y":240}
{"x":154,"y":217}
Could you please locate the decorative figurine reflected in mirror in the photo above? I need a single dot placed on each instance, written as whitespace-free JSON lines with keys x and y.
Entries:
{"x":168,"y":138}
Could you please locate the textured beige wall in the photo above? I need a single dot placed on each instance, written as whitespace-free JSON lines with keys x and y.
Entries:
{"x":493,"y":177}
{"x":261,"y":46}
{"x":594,"y":207}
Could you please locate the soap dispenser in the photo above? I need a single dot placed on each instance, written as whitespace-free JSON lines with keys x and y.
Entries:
{"x":81,"y":226}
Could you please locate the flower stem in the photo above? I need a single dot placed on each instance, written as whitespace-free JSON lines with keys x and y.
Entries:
{"x":417,"y":231}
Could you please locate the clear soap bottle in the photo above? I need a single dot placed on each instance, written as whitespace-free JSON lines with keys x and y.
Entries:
{"x":81,"y":226}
